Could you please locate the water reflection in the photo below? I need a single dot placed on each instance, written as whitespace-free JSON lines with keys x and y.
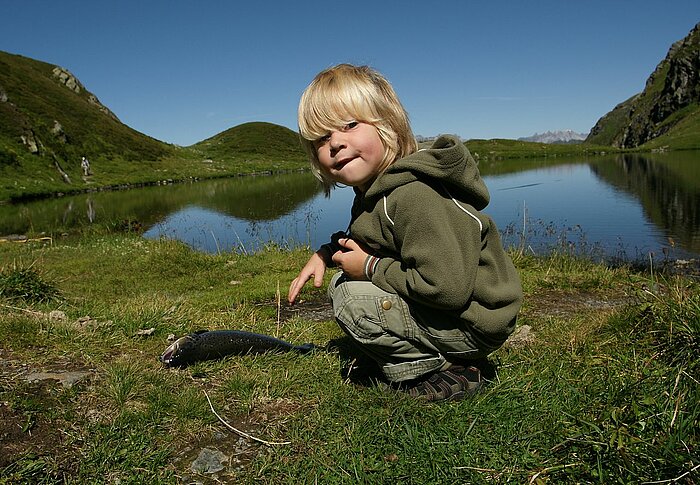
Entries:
{"x":626,"y":206}
{"x":252,"y":198}
{"x":667,"y":188}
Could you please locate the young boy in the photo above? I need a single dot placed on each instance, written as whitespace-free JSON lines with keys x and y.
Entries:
{"x":425,"y":289}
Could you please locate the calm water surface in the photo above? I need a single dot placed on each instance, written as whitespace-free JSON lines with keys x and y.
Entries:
{"x":612,"y":207}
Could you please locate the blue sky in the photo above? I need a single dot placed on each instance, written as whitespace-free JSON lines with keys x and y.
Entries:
{"x":182,"y":71}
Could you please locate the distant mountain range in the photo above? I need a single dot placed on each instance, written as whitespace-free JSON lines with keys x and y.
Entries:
{"x":561,"y":136}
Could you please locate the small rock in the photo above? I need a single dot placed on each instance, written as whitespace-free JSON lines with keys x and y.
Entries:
{"x":241,"y":446}
{"x":209,"y":461}
{"x":94,"y":416}
{"x":145,"y":332}
{"x":57,"y":316}
{"x":67,"y":379}
{"x":84,"y":322}
{"x":522,"y":337}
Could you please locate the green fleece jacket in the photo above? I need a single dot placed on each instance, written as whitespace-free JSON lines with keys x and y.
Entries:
{"x":422,"y":217}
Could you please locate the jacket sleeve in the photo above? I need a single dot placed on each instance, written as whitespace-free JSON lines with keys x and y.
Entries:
{"x":439,"y":244}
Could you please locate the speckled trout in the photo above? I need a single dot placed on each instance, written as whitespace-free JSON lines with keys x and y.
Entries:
{"x":207,"y":345}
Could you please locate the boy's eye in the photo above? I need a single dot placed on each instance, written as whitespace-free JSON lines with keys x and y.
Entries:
{"x":323,"y":139}
{"x":351,"y":125}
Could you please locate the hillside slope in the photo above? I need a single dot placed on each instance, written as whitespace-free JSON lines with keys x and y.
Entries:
{"x":49,"y":121}
{"x":46,"y":111}
{"x":253,"y":140}
{"x":665,"y":113}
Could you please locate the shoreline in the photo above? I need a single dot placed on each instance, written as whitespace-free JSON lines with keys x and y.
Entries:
{"x":137,"y":185}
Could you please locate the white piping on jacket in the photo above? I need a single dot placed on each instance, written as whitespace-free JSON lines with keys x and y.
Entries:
{"x":387,"y":213}
{"x":466,"y":211}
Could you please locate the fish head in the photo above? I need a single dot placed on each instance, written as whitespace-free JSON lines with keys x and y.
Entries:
{"x":176,"y":353}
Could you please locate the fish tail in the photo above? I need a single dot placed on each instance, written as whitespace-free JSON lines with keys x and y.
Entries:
{"x":305,"y":348}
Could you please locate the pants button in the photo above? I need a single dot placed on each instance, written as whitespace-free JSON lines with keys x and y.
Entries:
{"x":386,"y":304}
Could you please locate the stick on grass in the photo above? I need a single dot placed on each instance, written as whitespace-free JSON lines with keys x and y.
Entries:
{"x":242,"y":433}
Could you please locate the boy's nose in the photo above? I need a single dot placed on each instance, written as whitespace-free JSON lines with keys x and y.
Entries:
{"x":335,"y":137}
{"x":336,"y":141}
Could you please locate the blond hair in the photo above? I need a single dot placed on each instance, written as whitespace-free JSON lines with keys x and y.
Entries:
{"x":358,"y":92}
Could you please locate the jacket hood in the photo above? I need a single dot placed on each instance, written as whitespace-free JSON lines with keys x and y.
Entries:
{"x":447,"y":161}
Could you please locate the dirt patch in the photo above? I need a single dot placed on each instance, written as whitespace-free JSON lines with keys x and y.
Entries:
{"x":222,"y":454}
{"x":29,"y":440}
{"x":26,"y":432}
{"x":546,"y":303}
{"x":313,"y":310}
{"x":555,"y":303}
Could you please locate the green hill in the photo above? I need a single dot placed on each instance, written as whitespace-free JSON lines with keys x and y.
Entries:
{"x":254,"y":140}
{"x":666,"y":114}
{"x":46,"y":111}
{"x":49,"y":121}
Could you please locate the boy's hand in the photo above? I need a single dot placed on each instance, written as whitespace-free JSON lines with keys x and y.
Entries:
{"x":316,"y":268}
{"x":351,"y":259}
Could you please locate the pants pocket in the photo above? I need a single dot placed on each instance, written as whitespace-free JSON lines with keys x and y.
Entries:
{"x":370,"y":316}
{"x":452,"y":336}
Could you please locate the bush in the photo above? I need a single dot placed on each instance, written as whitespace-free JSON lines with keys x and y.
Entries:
{"x":26,"y":284}
{"x":8,"y":158}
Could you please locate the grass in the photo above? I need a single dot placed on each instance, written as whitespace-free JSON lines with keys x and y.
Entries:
{"x":25,"y":283}
{"x":608,"y":393}
{"x":34,"y":178}
{"x":684,"y":135}
{"x":501,"y":149}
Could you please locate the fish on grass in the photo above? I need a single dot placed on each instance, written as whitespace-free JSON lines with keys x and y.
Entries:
{"x":215,"y":344}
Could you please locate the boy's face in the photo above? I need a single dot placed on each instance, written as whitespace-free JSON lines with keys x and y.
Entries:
{"x":353,"y":155}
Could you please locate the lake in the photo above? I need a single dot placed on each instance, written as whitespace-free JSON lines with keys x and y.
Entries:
{"x":612,"y":207}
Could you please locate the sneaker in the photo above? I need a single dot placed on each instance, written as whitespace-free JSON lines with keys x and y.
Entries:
{"x":451,"y":384}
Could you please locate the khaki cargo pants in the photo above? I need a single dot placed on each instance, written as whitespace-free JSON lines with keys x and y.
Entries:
{"x":406,"y":342}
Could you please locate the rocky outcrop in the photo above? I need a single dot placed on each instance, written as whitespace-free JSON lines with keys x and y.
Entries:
{"x":65,"y":77}
{"x":673,"y":86}
{"x":32,"y":142}
{"x":57,"y":131}
{"x":92,"y":99}
{"x":682,"y":82}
